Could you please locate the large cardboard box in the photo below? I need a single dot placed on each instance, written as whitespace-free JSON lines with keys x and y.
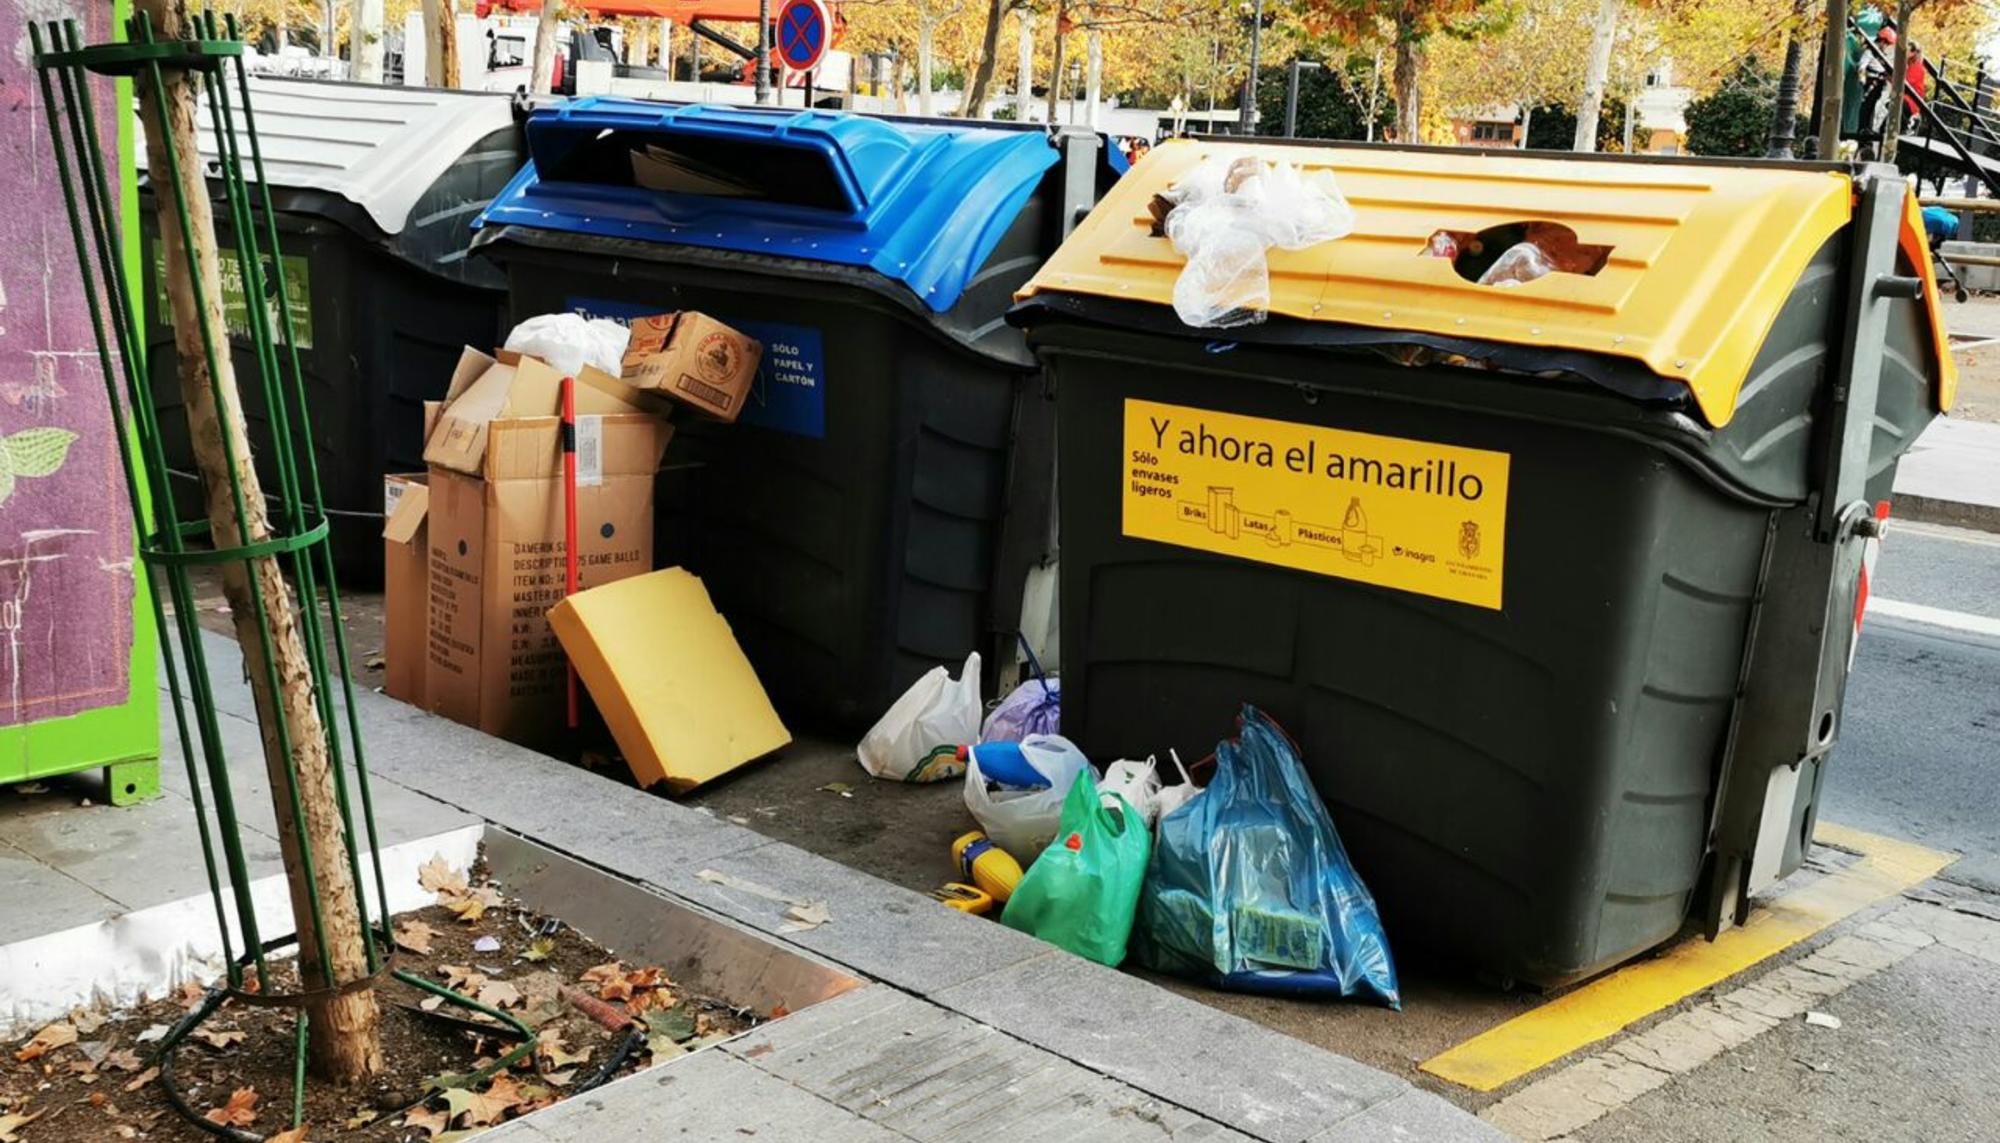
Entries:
{"x":506,"y":385}
{"x":694,"y":359}
{"x":497,"y":560}
{"x":405,"y":584}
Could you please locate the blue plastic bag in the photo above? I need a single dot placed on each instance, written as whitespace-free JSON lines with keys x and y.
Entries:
{"x":1250,"y":888}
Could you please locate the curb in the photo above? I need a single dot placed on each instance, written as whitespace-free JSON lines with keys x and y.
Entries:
{"x":1951,"y":513}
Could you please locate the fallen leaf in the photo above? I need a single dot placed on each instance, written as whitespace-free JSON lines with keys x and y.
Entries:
{"x":156,"y":1032}
{"x":47,"y":1040}
{"x":675,"y":1023}
{"x":779,"y":1012}
{"x":9,"y":1124}
{"x":361,"y":1119}
{"x":124,"y":1060}
{"x":127,"y":1131}
{"x":430,"y":1003}
{"x":549,"y":1044}
{"x":598,"y":974}
{"x":439,"y":877}
{"x":86,"y":1022}
{"x":539,"y":949}
{"x":142,"y":1079}
{"x":561,"y":1079}
{"x":481,"y":1109}
{"x":374,"y":662}
{"x":649,"y":977}
{"x":610,"y":980}
{"x":664,"y":1048}
{"x":414,"y":935}
{"x":499,"y":994}
{"x":844,"y":789}
{"x":192,"y":994}
{"x":93,"y":1050}
{"x":467,"y":909}
{"x":461,"y":978}
{"x":486,"y":944}
{"x":97,"y":1099}
{"x":220,"y":1037}
{"x":432,"y":1122}
{"x":240,"y":1111}
{"x":295,"y":1135}
{"x":806,"y":915}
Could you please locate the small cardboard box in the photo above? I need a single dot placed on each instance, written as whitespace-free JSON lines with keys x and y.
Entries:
{"x":497,"y":561}
{"x":693,"y":359}
{"x":665,"y":670}
{"x":405,"y":584}
{"x":506,"y":385}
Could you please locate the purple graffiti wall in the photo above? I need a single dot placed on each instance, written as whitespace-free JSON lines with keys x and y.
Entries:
{"x":65,"y":526}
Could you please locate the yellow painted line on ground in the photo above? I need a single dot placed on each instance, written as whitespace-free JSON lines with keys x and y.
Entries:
{"x":1500,"y":1055}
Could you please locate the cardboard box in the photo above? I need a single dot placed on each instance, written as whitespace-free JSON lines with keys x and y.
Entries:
{"x":497,"y":561}
{"x":508,"y":386}
{"x":405,"y":584}
{"x":669,"y":678}
{"x":693,"y":359}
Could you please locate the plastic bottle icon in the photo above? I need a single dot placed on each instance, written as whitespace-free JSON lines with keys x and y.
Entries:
{"x":1355,"y":541}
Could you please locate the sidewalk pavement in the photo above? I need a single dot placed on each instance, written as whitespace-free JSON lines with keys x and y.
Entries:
{"x":1952,"y":476}
{"x":968,"y":1029}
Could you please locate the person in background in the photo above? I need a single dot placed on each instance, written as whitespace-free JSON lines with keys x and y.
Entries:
{"x":1940,"y":225}
{"x":1916,"y":81}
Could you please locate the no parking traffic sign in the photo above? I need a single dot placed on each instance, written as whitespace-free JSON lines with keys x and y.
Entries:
{"x":804,"y":26}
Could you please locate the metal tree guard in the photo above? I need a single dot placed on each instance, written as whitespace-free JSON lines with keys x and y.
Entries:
{"x":171,"y":549}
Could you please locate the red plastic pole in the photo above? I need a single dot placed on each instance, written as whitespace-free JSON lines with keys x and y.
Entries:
{"x":570,"y":586}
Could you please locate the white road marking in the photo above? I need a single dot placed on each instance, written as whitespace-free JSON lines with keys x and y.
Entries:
{"x":1934,"y":616}
{"x":1943,"y":532}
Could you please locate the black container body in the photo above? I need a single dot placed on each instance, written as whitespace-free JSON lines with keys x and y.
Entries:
{"x":1527,"y":788}
{"x":851,"y":557}
{"x":387,"y":320}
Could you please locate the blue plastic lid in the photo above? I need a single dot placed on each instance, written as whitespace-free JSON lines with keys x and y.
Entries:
{"x":922,"y":204}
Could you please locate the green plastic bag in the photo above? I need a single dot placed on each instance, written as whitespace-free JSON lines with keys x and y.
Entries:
{"x":1082,"y":892}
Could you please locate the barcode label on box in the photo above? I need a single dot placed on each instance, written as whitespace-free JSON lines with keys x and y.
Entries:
{"x":392,"y":495}
{"x":589,"y":451}
{"x":703,"y":391}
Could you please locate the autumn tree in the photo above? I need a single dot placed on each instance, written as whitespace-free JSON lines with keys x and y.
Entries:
{"x":1410,"y":26}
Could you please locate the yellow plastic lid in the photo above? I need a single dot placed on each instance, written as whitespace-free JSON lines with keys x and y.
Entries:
{"x":1701,"y":258}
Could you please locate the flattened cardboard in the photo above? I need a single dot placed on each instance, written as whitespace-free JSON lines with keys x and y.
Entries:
{"x":669,"y":678}
{"x":694,"y":359}
{"x":497,"y":564}
{"x":405,"y":584}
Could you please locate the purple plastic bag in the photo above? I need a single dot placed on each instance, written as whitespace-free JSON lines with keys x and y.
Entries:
{"x":1034,"y":707}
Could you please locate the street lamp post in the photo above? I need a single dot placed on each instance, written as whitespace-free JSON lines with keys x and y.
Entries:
{"x":763,"y":51}
{"x":1075,"y":78}
{"x":1292,"y":94}
{"x":1246,"y":117}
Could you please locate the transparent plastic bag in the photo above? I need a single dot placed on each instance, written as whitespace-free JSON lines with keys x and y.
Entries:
{"x":568,"y":342}
{"x":1522,"y":262}
{"x":917,"y":738}
{"x":1024,"y":821}
{"x":1250,"y":888}
{"x":1225,"y":215}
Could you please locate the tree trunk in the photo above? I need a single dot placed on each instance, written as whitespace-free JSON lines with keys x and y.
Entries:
{"x":926,"y":27}
{"x":1832,"y":78}
{"x":1596,"y":71}
{"x":1374,"y":94}
{"x":896,"y":81}
{"x":1409,"y":85}
{"x":440,"y":43}
{"x":989,"y":50}
{"x":1056,"y":80}
{"x":1527,"y":118}
{"x":1024,"y":74}
{"x":344,"y":1047}
{"x":367,"y":41}
{"x":1899,"y":68}
{"x":541,"y":74}
{"x":1093,"y":77}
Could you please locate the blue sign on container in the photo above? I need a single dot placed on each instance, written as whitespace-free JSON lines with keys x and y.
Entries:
{"x":789,"y":394}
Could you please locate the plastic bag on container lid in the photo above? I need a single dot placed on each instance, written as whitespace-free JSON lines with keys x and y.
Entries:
{"x":1226,"y":214}
{"x":1250,"y":888}
{"x":568,"y":342}
{"x":1023,"y":822}
{"x":1520,"y":263}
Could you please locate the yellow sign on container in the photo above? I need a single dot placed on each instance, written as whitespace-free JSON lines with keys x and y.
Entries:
{"x":1405,"y":514}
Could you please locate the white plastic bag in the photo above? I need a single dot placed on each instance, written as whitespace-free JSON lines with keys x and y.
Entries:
{"x":568,"y":342}
{"x":917,"y":740}
{"x":1171,"y":798}
{"x":1226,"y":214}
{"x":1136,"y":782}
{"x":1023,"y":822}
